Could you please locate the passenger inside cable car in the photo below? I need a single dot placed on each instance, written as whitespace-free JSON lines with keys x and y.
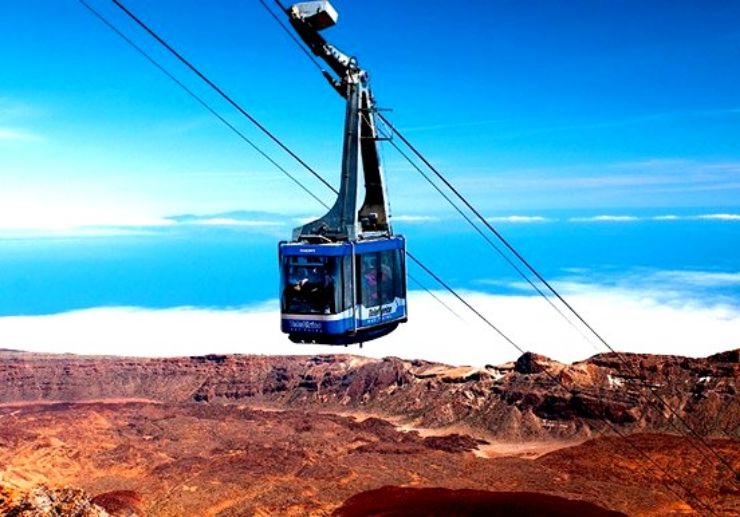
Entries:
{"x":378,"y":285}
{"x":369,"y":285}
{"x":310,"y":285}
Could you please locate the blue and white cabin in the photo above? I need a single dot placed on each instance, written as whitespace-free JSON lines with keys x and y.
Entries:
{"x":342,"y":293}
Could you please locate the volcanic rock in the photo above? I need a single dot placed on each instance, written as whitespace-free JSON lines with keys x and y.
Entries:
{"x":45,"y":502}
{"x":421,"y":502}
{"x":532,"y":363}
{"x":535,"y":399}
{"x":242,"y":435}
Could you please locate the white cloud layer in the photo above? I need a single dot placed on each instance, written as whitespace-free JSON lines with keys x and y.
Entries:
{"x":415,"y":218}
{"x":227,"y":221}
{"x":666,"y":217}
{"x":613,"y":218}
{"x":603,"y":218}
{"x":631,"y":321}
{"x":721,"y":217}
{"x":50,"y":218}
{"x":55,"y":217}
{"x":696,"y":278}
{"x":9,"y":134}
{"x":518,"y":219}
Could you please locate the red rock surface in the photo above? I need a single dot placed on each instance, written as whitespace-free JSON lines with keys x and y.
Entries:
{"x":120,"y":503}
{"x":215,"y":459}
{"x":423,"y":502}
{"x":533,"y":399}
{"x":46,"y":502}
{"x":239,"y":435}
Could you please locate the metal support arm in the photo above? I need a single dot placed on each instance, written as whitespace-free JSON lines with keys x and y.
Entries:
{"x":344,"y":221}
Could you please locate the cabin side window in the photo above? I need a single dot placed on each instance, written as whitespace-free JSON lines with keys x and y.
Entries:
{"x":399,"y":282}
{"x":388,"y":275}
{"x":347,"y":288}
{"x":368,"y":279}
{"x":309,"y":285}
{"x":380,"y":277}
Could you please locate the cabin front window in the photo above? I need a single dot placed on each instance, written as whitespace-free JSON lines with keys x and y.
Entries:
{"x":309,"y":285}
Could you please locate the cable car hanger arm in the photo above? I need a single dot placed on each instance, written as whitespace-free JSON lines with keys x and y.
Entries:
{"x":307,"y":19}
{"x":344,"y":221}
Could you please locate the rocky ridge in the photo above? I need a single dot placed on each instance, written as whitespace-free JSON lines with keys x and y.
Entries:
{"x":321,"y":435}
{"x":531,"y":399}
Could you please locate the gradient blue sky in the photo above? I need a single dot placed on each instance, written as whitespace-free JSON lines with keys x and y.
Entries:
{"x":611,"y":127}
{"x":527,"y":106}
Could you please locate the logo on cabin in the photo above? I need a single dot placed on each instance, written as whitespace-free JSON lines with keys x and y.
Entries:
{"x":380,"y":311}
{"x":305,"y":325}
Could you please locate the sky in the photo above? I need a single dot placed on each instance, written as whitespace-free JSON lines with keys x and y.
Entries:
{"x":525,"y":105}
{"x":577,"y":115}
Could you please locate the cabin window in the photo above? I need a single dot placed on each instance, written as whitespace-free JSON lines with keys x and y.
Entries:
{"x":380,"y":277}
{"x":309,"y":285}
{"x":369,"y":280}
{"x":347,"y":289}
{"x":387,"y":274}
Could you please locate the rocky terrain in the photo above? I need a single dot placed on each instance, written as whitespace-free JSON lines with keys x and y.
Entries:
{"x":42,"y":501}
{"x":251,"y":435}
{"x":532,"y":399}
{"x":421,"y":502}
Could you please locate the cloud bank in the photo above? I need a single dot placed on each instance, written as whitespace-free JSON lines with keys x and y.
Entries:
{"x":667,"y":217}
{"x":604,"y":218}
{"x":415,"y":218}
{"x":16,"y":135}
{"x":518,"y":219}
{"x":630,"y":321}
{"x":55,"y":219}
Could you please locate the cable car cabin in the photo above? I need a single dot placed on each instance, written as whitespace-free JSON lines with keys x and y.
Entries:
{"x":342,"y":293}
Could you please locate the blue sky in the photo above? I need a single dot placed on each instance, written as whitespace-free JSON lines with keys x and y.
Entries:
{"x":600,"y":137}
{"x":527,"y":106}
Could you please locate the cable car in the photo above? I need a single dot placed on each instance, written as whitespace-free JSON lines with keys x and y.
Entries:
{"x":344,"y":292}
{"x":343,"y":276}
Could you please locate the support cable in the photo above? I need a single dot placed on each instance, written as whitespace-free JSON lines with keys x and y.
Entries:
{"x":572,"y":391}
{"x":431,"y":293}
{"x":493,"y":245}
{"x":199,"y":100}
{"x":572,"y":310}
{"x":523,"y":275}
{"x":292,"y":36}
{"x":526,"y":263}
{"x":221,"y":93}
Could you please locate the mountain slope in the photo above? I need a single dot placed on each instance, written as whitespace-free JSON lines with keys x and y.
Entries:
{"x":531,"y":399}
